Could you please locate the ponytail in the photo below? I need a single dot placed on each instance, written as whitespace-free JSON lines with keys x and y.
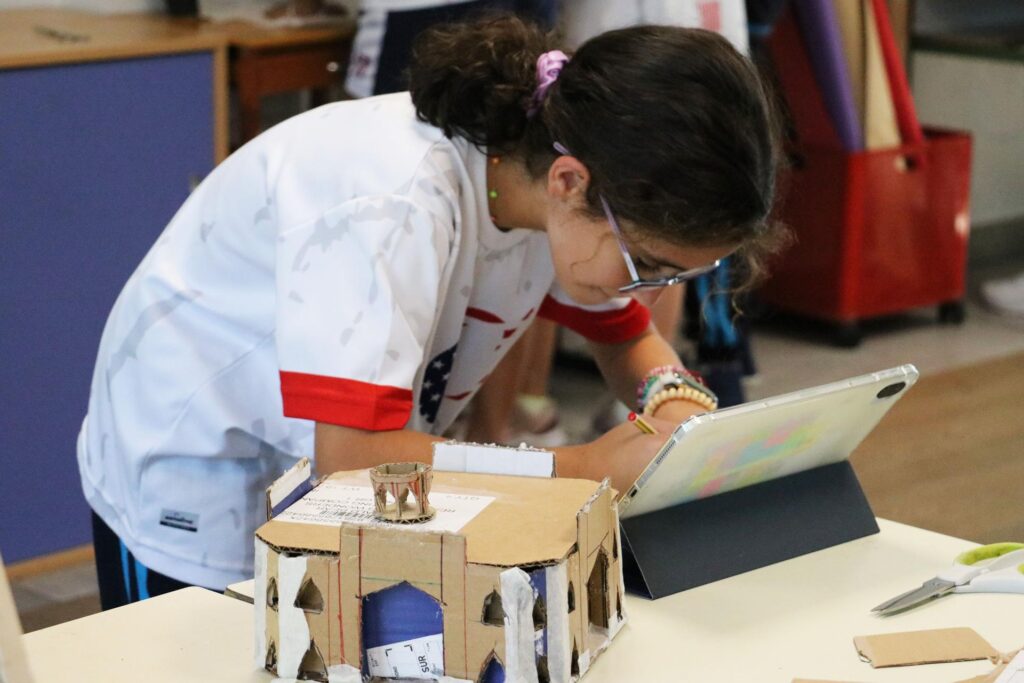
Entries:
{"x":476,"y":80}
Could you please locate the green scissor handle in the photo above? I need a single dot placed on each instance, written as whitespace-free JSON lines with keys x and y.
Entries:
{"x":987,"y":552}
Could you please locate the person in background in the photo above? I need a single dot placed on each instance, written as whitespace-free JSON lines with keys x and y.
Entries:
{"x":387,"y":29}
{"x":343,"y":284}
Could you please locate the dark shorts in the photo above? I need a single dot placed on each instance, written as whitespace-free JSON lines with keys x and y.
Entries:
{"x":122,"y":578}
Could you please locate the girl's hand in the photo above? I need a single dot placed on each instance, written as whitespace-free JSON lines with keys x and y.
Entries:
{"x":620,"y":454}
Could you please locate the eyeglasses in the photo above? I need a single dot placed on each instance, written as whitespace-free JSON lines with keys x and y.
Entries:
{"x":637,"y":281}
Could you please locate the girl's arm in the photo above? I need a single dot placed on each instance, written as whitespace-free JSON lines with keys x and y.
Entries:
{"x":621,"y":454}
{"x":624,"y":365}
{"x":347,"y":448}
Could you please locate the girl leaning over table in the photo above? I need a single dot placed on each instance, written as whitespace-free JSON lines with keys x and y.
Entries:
{"x":343,"y":284}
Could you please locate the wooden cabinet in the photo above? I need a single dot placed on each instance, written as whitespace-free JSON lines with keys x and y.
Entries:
{"x":102,"y":134}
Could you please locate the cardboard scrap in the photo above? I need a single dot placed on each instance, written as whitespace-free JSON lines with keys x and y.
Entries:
{"x":1010,"y":670}
{"x":923,"y":647}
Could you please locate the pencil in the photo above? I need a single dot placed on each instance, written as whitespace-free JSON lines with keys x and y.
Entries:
{"x":642,"y":424}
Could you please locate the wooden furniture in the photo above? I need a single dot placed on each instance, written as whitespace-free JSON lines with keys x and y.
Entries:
{"x":795,"y":619}
{"x":107,"y":122}
{"x":269,"y":61}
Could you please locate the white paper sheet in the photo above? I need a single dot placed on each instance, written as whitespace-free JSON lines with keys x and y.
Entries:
{"x":334,"y":503}
{"x":416,"y":658}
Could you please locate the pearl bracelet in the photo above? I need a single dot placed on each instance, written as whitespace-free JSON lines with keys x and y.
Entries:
{"x":679,"y":393}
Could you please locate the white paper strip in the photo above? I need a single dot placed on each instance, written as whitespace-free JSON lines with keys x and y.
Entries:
{"x":559,"y":641}
{"x":259,"y":603}
{"x":517,"y":601}
{"x":453,"y":456}
{"x":417,"y":658}
{"x":333,"y":503}
{"x":297,"y":475}
{"x":584,"y":660}
{"x":294,"y":638}
{"x":615,"y":624}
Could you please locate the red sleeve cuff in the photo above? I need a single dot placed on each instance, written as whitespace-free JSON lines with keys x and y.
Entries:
{"x":605,"y":327}
{"x":345,"y":402}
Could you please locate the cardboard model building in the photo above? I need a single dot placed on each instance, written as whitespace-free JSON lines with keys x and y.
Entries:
{"x":511,"y":579}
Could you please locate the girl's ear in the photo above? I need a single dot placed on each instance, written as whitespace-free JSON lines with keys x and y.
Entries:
{"x":568,"y":179}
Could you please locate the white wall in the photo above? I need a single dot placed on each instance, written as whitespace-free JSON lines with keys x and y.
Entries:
{"x":933,"y":16}
{"x":985,"y":97}
{"x":982,"y":95}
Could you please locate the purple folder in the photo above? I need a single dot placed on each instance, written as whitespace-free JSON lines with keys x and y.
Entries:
{"x":820,"y":30}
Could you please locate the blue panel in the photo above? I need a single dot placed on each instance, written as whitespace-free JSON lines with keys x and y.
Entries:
{"x":539,"y":582}
{"x":94,"y":160}
{"x":494,"y":673}
{"x":399,"y":613}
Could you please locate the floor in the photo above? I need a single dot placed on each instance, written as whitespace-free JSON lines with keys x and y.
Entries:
{"x":793,"y":354}
{"x":789,"y":356}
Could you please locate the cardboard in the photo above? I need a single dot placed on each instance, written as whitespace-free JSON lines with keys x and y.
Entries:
{"x":521,"y":573}
{"x":14,"y":666}
{"x":1009,"y":669}
{"x":713,"y":538}
{"x":923,"y":647}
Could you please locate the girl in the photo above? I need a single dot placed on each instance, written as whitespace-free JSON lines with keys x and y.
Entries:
{"x":344,"y":283}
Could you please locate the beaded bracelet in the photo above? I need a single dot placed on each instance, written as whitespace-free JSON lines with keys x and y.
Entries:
{"x":671,"y":382}
{"x":660,"y":374}
{"x":689,"y":394}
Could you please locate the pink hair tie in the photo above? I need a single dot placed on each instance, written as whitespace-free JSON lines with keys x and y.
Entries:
{"x":549,"y":66}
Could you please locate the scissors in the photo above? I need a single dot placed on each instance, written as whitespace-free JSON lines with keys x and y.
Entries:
{"x":994,"y":568}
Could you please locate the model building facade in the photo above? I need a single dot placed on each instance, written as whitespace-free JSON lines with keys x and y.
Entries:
{"x":515,"y":578}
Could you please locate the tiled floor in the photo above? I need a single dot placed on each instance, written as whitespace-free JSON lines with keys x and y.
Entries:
{"x":788,"y":357}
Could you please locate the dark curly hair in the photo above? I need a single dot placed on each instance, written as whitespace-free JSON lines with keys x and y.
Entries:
{"x":676,"y":127}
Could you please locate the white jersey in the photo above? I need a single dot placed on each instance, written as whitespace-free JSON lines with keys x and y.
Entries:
{"x":340,"y":268}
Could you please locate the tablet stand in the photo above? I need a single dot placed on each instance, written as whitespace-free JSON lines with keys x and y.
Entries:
{"x":704,"y":540}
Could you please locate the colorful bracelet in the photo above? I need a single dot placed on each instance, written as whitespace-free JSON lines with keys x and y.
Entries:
{"x":670,"y":382}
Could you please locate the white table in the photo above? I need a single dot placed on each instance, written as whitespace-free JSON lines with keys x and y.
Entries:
{"x":793,"y":619}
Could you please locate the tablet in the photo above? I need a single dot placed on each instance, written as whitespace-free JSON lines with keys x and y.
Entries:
{"x":762,"y":440}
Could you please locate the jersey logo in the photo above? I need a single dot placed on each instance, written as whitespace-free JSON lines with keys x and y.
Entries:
{"x":186,"y":521}
{"x":435,"y":379}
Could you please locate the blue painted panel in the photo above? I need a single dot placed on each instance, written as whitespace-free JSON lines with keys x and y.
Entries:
{"x":94,"y":160}
{"x":399,"y":613}
{"x":494,"y":673}
{"x":539,"y":582}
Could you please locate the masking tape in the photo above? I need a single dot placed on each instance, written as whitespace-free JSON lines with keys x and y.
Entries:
{"x":517,"y":601}
{"x":559,"y":640}
{"x":294,"y":638}
{"x":260,"y":604}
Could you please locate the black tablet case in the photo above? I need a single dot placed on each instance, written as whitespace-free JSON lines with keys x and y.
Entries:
{"x":704,"y":540}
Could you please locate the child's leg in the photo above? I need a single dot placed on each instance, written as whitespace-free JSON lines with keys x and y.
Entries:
{"x":122,"y":578}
